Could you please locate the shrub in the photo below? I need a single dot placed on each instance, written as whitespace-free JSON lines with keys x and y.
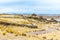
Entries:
{"x":4,"y":32}
{"x":23,"y":34}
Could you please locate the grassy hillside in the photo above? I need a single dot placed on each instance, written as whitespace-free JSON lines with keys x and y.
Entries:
{"x":30,"y":27}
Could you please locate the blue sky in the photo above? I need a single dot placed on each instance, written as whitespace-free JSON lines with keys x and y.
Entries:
{"x":30,"y":6}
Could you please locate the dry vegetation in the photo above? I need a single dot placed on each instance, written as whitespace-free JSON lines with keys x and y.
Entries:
{"x":20,"y":27}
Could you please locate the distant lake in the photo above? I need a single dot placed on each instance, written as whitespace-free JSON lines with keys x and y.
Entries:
{"x":58,"y":20}
{"x":49,"y":14}
{"x":55,"y":19}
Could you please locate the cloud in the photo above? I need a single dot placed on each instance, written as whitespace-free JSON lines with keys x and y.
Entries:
{"x":30,"y":6}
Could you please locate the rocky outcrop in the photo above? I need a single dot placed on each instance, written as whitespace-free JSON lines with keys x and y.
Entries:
{"x":14,"y":24}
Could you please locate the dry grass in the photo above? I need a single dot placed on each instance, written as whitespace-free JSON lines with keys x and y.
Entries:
{"x":21,"y":33}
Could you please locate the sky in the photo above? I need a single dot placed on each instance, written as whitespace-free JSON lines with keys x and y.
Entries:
{"x":30,"y":6}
